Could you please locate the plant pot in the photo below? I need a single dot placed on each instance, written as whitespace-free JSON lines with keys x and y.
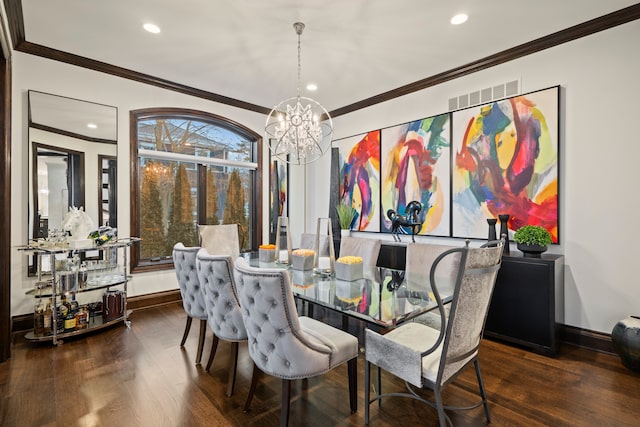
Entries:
{"x":349,"y":272}
{"x":531,"y":251}
{"x":301,"y":262}
{"x":267,"y":255}
{"x":626,"y":341}
{"x":345,"y":233}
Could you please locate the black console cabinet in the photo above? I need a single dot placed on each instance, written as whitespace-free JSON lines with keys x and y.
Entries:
{"x":528,"y":302}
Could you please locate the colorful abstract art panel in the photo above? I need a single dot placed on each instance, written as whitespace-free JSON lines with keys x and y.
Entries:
{"x":278,"y":197}
{"x":416,"y":166}
{"x":359,"y":174}
{"x":506,"y":162}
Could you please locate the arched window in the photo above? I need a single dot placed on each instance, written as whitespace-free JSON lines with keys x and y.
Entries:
{"x":187,"y":168}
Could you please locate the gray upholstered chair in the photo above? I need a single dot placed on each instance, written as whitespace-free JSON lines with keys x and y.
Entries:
{"x":419,"y":259}
{"x":285,"y":345}
{"x":184,"y":261}
{"x":223,"y":309}
{"x":367,"y":249}
{"x":429,"y":358}
{"x":220,"y":239}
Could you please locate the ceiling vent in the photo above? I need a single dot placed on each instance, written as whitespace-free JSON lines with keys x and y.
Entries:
{"x":484,"y":96}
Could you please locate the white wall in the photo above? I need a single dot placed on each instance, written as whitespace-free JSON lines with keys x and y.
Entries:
{"x":31,"y":72}
{"x":599,"y":158}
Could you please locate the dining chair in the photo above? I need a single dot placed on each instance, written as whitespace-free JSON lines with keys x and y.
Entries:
{"x":419,"y":259}
{"x":308,"y":241}
{"x":425,"y":357}
{"x":284,"y":345}
{"x":220,"y":239}
{"x":367,"y":249}
{"x":184,"y":260}
{"x":223,"y":309}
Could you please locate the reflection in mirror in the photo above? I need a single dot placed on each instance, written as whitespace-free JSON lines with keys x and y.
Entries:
{"x":107,"y":191}
{"x":73,"y":147}
{"x":59,"y":184}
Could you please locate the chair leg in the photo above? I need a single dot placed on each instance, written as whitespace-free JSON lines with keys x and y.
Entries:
{"x":203,"y":331}
{"x":254,"y":383}
{"x":284,"y":403}
{"x":214,"y":348}
{"x":367,"y":391}
{"x":233,"y":362}
{"x":482,"y":392}
{"x":442,"y":417}
{"x":352,"y":366}
{"x":379,"y":386}
{"x":187,"y":328}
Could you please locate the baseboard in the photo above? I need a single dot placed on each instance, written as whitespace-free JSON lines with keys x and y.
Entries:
{"x":140,"y":302}
{"x":591,"y":340}
{"x":24,"y":322}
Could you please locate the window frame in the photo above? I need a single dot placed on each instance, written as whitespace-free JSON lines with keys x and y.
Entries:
{"x":139,"y":265}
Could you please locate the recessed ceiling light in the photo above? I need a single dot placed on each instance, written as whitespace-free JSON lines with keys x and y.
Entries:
{"x":152,"y":28}
{"x":92,"y":126}
{"x":312,"y":87}
{"x":460,"y":18}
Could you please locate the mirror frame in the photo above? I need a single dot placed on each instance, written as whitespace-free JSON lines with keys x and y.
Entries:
{"x":68,"y":117}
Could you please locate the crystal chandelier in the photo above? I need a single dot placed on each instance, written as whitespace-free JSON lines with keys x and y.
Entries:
{"x":299,"y":129}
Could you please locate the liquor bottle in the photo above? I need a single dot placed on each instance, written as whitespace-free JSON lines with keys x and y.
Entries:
{"x":70,"y":322}
{"x":61,"y":313}
{"x":38,"y":320}
{"x":82,"y":318}
{"x":47,"y":318}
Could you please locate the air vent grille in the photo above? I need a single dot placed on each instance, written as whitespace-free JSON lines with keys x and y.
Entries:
{"x":485,"y":95}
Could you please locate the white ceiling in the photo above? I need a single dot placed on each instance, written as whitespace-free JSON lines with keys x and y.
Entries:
{"x":247,"y":49}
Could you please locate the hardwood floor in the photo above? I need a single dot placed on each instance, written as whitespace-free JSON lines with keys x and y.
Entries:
{"x":141,"y":377}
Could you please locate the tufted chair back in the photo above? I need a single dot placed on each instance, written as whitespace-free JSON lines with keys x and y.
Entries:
{"x":277,"y":344}
{"x":184,"y":260}
{"x":223,"y":310}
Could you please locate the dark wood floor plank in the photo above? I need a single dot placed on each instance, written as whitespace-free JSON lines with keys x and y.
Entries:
{"x":141,"y":377}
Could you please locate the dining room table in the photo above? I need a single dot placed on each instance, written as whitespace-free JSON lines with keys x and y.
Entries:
{"x":383,"y":299}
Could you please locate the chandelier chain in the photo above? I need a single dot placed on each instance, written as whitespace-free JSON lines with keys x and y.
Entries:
{"x":299,"y":59}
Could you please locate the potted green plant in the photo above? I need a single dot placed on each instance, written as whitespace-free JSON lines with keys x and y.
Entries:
{"x":346,"y":214}
{"x":532,"y":240}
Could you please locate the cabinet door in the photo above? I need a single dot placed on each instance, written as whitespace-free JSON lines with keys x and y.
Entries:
{"x":522,"y":307}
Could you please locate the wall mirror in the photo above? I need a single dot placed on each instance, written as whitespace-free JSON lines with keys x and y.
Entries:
{"x":72,"y":161}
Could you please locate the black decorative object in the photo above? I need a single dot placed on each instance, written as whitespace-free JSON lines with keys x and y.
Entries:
{"x":504,"y":231}
{"x":626,"y":341}
{"x":410,"y":220}
{"x":492,"y":228}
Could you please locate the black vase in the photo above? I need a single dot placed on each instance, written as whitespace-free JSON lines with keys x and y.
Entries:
{"x":504,"y":231}
{"x":626,"y":341}
{"x":492,"y":228}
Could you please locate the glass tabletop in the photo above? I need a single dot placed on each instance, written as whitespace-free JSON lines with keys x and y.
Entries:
{"x":383,"y":297}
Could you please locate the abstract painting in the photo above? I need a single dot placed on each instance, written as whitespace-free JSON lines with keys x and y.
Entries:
{"x":505,"y":161}
{"x":278,"y":194}
{"x":359,"y":174}
{"x":416,"y":166}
